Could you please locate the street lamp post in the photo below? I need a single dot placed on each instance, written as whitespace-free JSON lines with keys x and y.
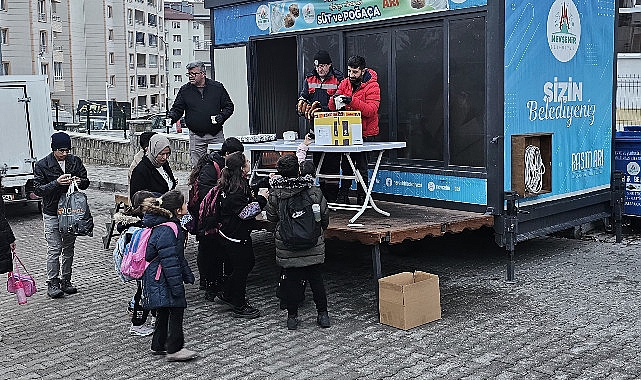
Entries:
{"x":166,"y":78}
{"x":107,"y":86}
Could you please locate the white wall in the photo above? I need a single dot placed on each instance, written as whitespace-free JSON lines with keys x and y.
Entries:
{"x":231,"y":70}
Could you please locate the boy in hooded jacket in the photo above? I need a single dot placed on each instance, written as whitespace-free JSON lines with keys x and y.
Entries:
{"x":303,"y":264}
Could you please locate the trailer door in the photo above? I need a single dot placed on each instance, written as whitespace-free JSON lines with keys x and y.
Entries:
{"x":15,"y":142}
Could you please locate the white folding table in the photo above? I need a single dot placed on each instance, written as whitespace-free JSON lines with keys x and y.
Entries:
{"x":291,"y":146}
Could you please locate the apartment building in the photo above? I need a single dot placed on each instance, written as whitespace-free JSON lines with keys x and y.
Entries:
{"x":90,"y":50}
{"x":628,"y":47}
{"x":185,"y":37}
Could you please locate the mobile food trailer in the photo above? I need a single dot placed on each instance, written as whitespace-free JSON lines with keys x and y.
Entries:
{"x":506,"y":106}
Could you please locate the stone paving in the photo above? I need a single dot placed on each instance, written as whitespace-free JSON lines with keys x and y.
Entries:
{"x":572,"y":314}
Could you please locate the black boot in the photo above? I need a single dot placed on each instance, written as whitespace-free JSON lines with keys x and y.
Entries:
{"x":343,"y":196}
{"x":67,"y":287}
{"x":53,"y":288}
{"x":211,"y":291}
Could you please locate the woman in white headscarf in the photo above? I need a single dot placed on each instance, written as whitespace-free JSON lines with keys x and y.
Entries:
{"x":153,"y":172}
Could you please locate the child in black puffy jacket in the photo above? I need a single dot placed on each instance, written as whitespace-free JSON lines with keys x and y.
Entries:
{"x":238,"y":209}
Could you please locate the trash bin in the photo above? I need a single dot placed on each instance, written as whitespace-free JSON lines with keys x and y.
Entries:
{"x":627,"y":159}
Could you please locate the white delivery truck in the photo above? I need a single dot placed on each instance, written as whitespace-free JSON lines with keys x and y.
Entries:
{"x":25,"y":137}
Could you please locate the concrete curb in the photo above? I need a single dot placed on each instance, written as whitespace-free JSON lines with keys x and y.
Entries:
{"x":108,"y":186}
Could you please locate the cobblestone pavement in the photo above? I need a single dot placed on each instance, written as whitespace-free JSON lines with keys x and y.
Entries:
{"x":572,"y":314}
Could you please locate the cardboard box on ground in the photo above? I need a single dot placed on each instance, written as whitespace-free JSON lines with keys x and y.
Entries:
{"x":338,"y":128}
{"x":407,"y":300}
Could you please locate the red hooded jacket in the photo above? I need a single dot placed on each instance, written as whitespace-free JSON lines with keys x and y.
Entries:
{"x":366,"y":99}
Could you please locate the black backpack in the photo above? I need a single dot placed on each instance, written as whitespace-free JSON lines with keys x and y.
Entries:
{"x":297,"y":226}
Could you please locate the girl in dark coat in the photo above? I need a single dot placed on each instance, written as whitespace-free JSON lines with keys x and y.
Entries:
{"x":153,"y":172}
{"x":163,"y":279}
{"x":7,"y":240}
{"x":238,"y":209}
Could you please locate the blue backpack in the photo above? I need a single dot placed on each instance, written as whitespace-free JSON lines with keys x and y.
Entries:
{"x":130,"y":261}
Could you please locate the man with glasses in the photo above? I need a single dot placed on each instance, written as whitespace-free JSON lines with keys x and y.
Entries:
{"x":318,"y":86}
{"x":52,"y":177}
{"x":206,"y":105}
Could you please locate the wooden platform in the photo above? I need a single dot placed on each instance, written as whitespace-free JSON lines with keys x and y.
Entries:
{"x":406,"y":222}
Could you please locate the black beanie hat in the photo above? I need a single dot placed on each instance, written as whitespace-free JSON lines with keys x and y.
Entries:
{"x":60,"y":140}
{"x":322,"y":57}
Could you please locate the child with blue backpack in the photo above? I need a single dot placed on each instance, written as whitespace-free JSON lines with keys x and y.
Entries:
{"x":126,"y":223}
{"x":168,"y":270}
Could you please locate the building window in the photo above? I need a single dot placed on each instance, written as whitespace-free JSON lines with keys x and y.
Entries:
{"x":154,"y":100}
{"x":160,"y":23}
{"x":4,"y":36}
{"x":110,"y":34}
{"x":5,"y":68}
{"x":131,"y":61}
{"x":132,"y":84}
{"x":57,"y":70}
{"x":130,"y":17}
{"x":112,"y":80}
{"x":177,"y":64}
{"x":177,"y":52}
{"x":130,"y":39}
{"x":153,"y":81}
{"x":43,"y":41}
{"x":196,"y":25}
{"x":175,"y":24}
{"x":151,"y":19}
{"x":153,"y":40}
{"x":177,"y":38}
{"x":176,"y":91}
{"x":112,"y":58}
{"x":142,"y":82}
{"x":141,"y":60}
{"x":109,"y":11}
{"x":44,"y":69}
{"x":140,"y":38}
{"x":178,"y":78}
{"x":142,"y":103}
{"x":3,"y":5}
{"x":42,"y":11}
{"x":153,"y":60}
{"x":139,"y":17}
{"x":629,"y":33}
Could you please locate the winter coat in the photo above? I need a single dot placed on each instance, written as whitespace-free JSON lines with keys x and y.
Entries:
{"x":366,"y":98}
{"x":6,"y":238}
{"x":231,"y":204}
{"x":321,"y":90}
{"x":45,"y":179}
{"x":282,"y":189}
{"x":147,"y":177}
{"x":199,"y":109}
{"x":208,"y":176}
{"x":166,"y":250}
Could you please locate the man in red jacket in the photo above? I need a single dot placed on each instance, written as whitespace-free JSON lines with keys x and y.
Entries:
{"x":358,"y":92}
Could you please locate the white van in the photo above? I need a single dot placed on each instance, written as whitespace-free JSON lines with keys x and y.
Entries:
{"x":27,"y":126}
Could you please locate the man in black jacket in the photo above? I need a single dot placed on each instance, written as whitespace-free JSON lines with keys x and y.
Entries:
{"x":52,"y":177}
{"x":206,"y":105}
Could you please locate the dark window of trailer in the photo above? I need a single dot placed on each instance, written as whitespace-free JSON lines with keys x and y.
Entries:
{"x":467,"y":92}
{"x":419,"y":92}
{"x":375,"y":48}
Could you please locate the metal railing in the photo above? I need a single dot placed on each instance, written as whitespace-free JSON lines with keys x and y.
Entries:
{"x":628,"y":100}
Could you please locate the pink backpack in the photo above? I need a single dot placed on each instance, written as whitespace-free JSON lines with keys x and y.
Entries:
{"x":133,"y":264}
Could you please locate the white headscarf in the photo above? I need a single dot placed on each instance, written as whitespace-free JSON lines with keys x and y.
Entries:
{"x":157,"y":143}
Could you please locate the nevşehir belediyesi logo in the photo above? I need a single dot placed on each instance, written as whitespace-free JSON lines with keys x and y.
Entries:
{"x":563,"y":30}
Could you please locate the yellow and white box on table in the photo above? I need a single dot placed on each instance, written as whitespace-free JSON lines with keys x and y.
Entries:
{"x":338,"y":128}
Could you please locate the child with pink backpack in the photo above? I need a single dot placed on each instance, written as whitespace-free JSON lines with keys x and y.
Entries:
{"x":167,"y":271}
